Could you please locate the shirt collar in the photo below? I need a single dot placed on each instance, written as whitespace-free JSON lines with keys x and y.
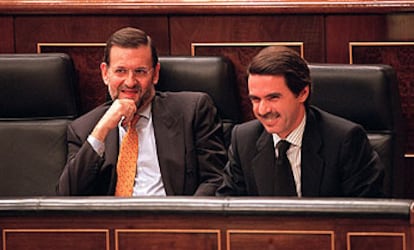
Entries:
{"x":295,"y":137}
{"x":146,"y":113}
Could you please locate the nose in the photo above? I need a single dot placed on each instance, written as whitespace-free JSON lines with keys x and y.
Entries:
{"x":263,"y":107}
{"x":130,"y":80}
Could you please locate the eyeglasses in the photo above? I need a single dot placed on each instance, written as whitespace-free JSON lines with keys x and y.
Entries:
{"x":139,"y":73}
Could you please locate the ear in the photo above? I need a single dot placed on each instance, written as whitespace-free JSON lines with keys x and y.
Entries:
{"x":104,"y":73}
{"x":304,"y":94}
{"x":156,"y":73}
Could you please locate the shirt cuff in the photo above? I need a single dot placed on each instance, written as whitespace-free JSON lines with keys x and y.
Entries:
{"x":97,"y":145}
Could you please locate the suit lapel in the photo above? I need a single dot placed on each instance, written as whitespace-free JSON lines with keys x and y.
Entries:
{"x":111,"y":150}
{"x":263,"y":164}
{"x":312,"y":163}
{"x":111,"y":155}
{"x":170,"y":143}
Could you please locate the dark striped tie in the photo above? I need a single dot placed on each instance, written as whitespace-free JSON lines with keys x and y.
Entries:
{"x":285,"y":183}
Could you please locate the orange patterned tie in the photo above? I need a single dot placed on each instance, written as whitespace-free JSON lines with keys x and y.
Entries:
{"x":127,"y":161}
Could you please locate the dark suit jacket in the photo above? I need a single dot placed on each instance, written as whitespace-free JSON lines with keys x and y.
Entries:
{"x":189,"y":141}
{"x":337,"y":160}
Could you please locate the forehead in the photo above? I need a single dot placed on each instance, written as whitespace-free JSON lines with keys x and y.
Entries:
{"x":139,"y":56}
{"x":265,"y":84}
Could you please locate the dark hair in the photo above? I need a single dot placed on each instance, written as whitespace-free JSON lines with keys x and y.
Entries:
{"x":280,"y":60}
{"x":130,"y":38}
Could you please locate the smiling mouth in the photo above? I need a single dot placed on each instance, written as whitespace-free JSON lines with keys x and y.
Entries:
{"x":269,"y":120}
{"x":130,"y":92}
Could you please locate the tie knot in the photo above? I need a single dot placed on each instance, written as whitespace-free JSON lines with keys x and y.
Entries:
{"x":134,"y":121}
{"x":282,"y":147}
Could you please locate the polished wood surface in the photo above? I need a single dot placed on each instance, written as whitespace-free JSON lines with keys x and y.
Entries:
{"x":6,"y":27}
{"x":199,"y":223}
{"x":203,"y":7}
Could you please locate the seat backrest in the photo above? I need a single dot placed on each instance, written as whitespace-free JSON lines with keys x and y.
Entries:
{"x":37,"y":100}
{"x":210,"y":74}
{"x":368,"y":95}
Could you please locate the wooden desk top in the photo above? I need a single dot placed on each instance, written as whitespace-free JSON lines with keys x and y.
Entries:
{"x":204,"y":6}
{"x":395,"y":208}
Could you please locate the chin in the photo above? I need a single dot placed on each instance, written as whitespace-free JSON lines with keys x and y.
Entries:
{"x":270,"y":130}
{"x":273,"y":129}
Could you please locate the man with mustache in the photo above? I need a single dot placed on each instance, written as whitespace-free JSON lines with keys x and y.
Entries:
{"x":327,"y":156}
{"x":180,"y":140}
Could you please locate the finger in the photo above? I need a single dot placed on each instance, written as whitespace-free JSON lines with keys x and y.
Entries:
{"x":128,"y":117}
{"x":123,"y":120}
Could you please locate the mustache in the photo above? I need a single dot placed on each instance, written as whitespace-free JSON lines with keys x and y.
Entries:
{"x":135,"y":88}
{"x":269,"y":115}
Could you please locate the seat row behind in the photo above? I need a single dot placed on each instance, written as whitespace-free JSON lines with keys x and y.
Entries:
{"x":39,"y":96}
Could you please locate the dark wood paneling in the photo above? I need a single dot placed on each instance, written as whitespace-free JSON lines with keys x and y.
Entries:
{"x":377,"y":241}
{"x":246,"y":29}
{"x":92,"y":90}
{"x":400,"y":27}
{"x":69,"y":239}
{"x":168,"y":239}
{"x":342,"y":29}
{"x":207,"y":223}
{"x":281,"y":240}
{"x":308,"y":29}
{"x":283,"y":231}
{"x":7,"y":34}
{"x":31,"y":30}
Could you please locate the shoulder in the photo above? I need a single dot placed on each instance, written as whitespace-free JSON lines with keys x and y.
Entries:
{"x":253,"y":125}
{"x":184,"y":100}
{"x":183,"y":96}
{"x":332,"y":126}
{"x":88,"y":120}
{"x":327,"y":119}
{"x":248,"y":129}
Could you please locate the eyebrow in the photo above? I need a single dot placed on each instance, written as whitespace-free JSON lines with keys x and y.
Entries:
{"x":140,"y":67}
{"x":274,"y":94}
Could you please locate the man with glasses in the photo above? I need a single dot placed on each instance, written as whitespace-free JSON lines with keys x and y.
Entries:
{"x":180,"y":147}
